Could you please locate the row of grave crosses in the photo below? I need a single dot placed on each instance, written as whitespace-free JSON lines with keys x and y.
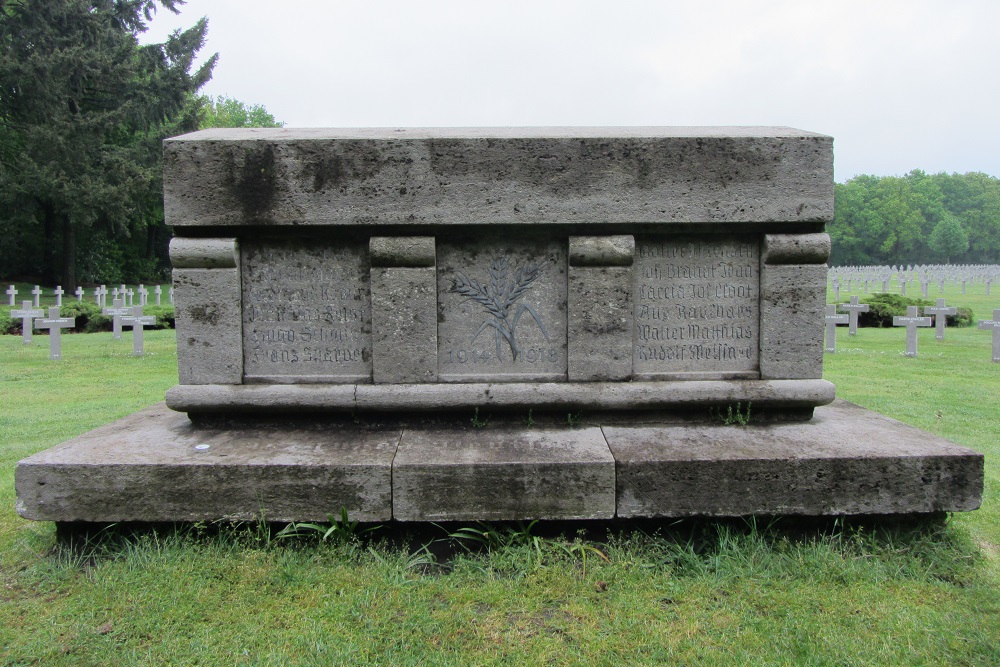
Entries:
{"x":879,"y":278}
{"x":912,"y":320}
{"x":34,"y":318}
{"x":100,"y":295}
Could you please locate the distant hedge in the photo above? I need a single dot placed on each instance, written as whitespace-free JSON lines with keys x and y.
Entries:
{"x":89,"y":318}
{"x":882,"y":307}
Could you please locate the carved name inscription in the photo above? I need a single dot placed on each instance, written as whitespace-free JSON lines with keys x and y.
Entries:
{"x":306,"y":311}
{"x":696,"y":308}
{"x":501,"y":311}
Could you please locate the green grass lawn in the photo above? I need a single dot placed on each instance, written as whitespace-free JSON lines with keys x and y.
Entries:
{"x":713,"y":592}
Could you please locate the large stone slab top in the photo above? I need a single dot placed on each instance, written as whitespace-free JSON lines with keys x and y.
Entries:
{"x":491,"y":176}
{"x":155,"y":465}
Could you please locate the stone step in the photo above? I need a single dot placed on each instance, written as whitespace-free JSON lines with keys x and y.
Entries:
{"x":156,"y":465}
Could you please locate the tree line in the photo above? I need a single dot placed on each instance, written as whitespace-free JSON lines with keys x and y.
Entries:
{"x":84,"y":109}
{"x":916,"y":219}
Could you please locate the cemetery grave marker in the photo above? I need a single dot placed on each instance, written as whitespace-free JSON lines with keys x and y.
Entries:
{"x":79,"y":294}
{"x":55,"y":325}
{"x":103,"y":296}
{"x":26,"y":313}
{"x":854,"y":309}
{"x":12,"y":293}
{"x":645,"y":276}
{"x":157,"y":291}
{"x":832,"y":320}
{"x":911,"y":321}
{"x":138,"y":322}
{"x":993,"y":325}
{"x":59,"y":294}
{"x":143,"y":295}
{"x":37,"y":294}
{"x":940,"y":313}
{"x":117,"y":312}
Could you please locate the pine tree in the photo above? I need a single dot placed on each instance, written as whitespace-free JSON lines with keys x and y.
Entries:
{"x":83,"y":111}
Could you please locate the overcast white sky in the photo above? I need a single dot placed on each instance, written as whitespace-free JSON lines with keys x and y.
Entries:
{"x":899,"y":84}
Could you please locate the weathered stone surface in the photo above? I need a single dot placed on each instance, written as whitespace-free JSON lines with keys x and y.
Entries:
{"x":155,"y":465}
{"x":600,"y":323}
{"x":847,"y":460}
{"x":617,"y":250}
{"x":505,"y":395}
{"x":503,"y":474}
{"x":209,"y":326}
{"x":197,"y":253}
{"x":796,"y":248}
{"x":404,"y":324}
{"x":306,"y":311}
{"x":501,"y":310}
{"x":487,"y":176}
{"x":791,"y":320}
{"x":411,"y":251}
{"x":696,"y":308}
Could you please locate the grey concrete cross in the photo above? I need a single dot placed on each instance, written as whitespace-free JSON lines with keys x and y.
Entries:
{"x":832,"y":320}
{"x":37,"y":293}
{"x":79,"y":294}
{"x":158,"y":291}
{"x":26,"y":313}
{"x":993,"y":324}
{"x":137,"y":321}
{"x":12,"y":293}
{"x":853,"y":309}
{"x":911,"y":321}
{"x":55,"y":325}
{"x":923,"y":287}
{"x":117,"y":312}
{"x":940,"y":313}
{"x":59,"y":291}
{"x":143,"y":295}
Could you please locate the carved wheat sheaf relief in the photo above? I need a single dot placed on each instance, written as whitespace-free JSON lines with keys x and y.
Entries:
{"x":499,"y":297}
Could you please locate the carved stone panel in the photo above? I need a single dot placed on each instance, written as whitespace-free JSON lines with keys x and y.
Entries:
{"x":306,"y":311}
{"x":502,"y":311}
{"x":697,"y":309}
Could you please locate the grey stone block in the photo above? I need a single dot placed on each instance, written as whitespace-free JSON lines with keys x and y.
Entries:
{"x":501,"y":309}
{"x":696,"y":308}
{"x":209,"y":326}
{"x":796,"y":248}
{"x":791,"y":321}
{"x":197,"y":253}
{"x":600,"y":323}
{"x":494,"y":474}
{"x":404,"y":324}
{"x":306,"y":311}
{"x":847,"y":460}
{"x":155,"y":465}
{"x":488,"y":176}
{"x":618,"y":250}
{"x":438,"y":397}
{"x":412,"y":251}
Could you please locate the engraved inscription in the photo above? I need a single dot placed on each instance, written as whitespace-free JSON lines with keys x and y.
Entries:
{"x":306,"y":311}
{"x":696,"y":307}
{"x":502,"y":311}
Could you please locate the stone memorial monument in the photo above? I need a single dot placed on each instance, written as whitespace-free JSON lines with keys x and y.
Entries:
{"x":505,"y":323}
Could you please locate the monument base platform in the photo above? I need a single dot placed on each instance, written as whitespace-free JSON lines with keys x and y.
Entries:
{"x":156,"y":465}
